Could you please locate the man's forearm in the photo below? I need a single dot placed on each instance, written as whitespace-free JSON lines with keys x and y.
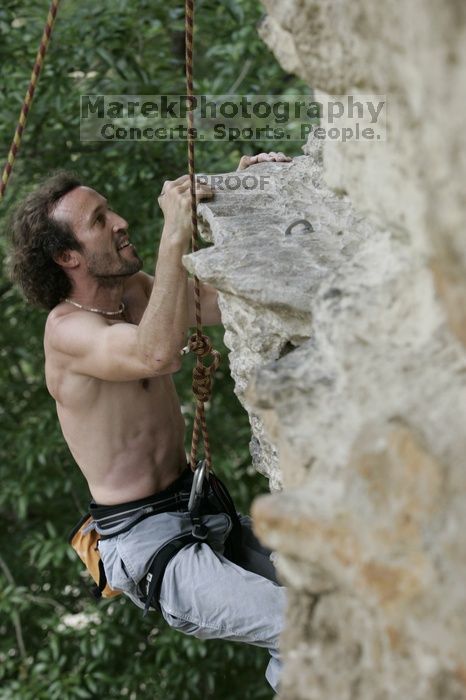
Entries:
{"x":162,"y":330}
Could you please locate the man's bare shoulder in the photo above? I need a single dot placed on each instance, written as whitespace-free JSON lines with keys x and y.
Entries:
{"x":69,"y":330}
{"x":64,"y":319}
{"x":63,"y":326}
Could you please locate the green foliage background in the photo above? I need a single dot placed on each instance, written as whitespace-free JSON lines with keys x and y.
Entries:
{"x":114,"y":47}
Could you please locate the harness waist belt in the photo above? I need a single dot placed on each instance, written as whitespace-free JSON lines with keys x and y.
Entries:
{"x":172,"y":499}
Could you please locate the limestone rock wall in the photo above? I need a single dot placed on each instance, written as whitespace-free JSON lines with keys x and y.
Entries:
{"x":347,"y":342}
{"x":415,"y":53}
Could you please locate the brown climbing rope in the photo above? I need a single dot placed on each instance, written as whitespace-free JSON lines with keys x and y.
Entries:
{"x":198,"y":342}
{"x":44,"y":43}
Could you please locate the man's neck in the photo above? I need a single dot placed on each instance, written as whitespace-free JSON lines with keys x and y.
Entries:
{"x":98,"y":296}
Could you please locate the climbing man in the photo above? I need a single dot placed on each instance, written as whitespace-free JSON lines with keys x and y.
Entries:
{"x":113,"y":338}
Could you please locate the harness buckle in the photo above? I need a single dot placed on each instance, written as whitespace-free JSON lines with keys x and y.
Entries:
{"x":200,"y":532}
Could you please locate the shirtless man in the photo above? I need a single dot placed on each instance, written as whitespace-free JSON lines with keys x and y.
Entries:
{"x":111,"y":375}
{"x":112,"y":341}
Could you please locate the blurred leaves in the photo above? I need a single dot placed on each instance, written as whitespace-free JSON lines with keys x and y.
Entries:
{"x":109,"y":47}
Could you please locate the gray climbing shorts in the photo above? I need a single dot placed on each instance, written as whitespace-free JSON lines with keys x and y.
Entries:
{"x":203,"y":593}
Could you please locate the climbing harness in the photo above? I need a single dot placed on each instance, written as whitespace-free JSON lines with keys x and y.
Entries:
{"x":14,"y":148}
{"x":208,"y":497}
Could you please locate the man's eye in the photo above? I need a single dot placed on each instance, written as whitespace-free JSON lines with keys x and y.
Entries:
{"x":100,"y":219}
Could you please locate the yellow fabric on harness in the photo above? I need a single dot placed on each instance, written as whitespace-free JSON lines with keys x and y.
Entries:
{"x":85,"y":544}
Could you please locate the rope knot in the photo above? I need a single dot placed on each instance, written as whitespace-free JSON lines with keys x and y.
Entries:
{"x":200,"y":344}
{"x":203,"y":374}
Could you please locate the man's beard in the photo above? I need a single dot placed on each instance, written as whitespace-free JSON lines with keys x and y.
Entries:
{"x":108,"y":271}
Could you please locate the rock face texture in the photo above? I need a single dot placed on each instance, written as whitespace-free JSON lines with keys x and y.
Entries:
{"x":348,"y":348}
{"x":415,"y":53}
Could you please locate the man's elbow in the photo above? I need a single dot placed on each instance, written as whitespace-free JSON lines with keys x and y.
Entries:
{"x":165,"y":364}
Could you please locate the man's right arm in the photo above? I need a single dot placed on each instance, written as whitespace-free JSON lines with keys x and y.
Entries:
{"x":87,"y":344}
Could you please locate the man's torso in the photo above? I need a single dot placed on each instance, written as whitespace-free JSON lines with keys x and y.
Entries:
{"x":126,"y":437}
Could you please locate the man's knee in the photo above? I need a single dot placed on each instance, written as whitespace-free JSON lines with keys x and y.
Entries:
{"x":178,"y":623}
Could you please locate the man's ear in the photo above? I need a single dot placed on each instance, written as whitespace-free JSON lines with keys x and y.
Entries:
{"x":68,"y":259}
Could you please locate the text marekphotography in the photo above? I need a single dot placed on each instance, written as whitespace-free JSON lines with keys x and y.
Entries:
{"x":233,"y":117}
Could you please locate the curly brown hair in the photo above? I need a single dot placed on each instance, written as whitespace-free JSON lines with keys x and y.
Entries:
{"x":38,"y":238}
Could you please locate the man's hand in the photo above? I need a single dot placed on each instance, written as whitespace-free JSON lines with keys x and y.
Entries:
{"x":175,"y":203}
{"x":246,"y":161}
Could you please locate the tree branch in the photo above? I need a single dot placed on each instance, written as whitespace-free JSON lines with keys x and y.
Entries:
{"x":244,"y":71}
{"x":15,"y":615}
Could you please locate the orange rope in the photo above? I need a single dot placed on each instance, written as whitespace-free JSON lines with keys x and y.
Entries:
{"x":14,"y":148}
{"x":198,"y":342}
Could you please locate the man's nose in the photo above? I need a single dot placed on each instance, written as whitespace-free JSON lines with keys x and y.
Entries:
{"x":119,"y":223}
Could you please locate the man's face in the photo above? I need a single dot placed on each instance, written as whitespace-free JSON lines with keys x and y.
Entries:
{"x":107,"y":251}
